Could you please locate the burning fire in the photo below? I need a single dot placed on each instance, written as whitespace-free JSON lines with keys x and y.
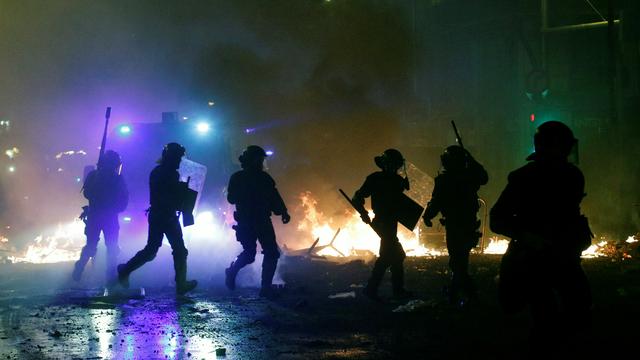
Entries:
{"x":496,"y":246}
{"x":355,"y":236}
{"x":603,"y":248}
{"x":63,"y":245}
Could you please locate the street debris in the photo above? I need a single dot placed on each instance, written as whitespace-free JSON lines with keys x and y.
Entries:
{"x":343,"y":295}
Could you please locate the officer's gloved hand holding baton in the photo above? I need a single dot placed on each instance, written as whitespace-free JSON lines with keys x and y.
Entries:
{"x":286,"y":218}
{"x":365,"y":217}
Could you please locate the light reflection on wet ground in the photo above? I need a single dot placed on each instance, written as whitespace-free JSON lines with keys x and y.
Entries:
{"x":39,"y":320}
{"x":79,"y":324}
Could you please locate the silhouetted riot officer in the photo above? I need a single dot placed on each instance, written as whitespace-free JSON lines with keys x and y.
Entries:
{"x":255,"y":196}
{"x":166,"y":198}
{"x":540,"y":211}
{"x":107,"y":194}
{"x":385,"y":188}
{"x":455,"y":195}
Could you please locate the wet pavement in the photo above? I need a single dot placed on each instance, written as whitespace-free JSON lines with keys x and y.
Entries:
{"x":83,"y":324}
{"x":320,"y":315}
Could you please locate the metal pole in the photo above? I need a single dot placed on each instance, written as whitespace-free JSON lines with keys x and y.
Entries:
{"x":591,"y":25}
{"x":543,"y":40}
{"x":611,"y":41}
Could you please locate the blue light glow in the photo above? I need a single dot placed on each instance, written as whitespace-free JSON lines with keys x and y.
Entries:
{"x":124,"y":129}
{"x":269,"y":152}
{"x":203,"y":127}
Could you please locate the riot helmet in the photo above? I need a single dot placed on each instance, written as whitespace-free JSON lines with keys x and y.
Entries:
{"x":390,"y":160}
{"x":172,"y":154}
{"x":454,"y":158}
{"x":110,"y":160}
{"x":252,"y":157}
{"x":553,"y":140}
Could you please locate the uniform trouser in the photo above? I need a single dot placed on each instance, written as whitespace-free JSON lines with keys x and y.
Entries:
{"x":108,"y":225}
{"x":159,"y":226}
{"x":555,"y":288}
{"x":560,"y":300}
{"x":247,"y":233}
{"x":461,"y":238}
{"x":392,"y":256}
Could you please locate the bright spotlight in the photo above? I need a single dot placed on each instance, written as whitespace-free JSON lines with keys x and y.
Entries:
{"x":12,"y":168}
{"x":124,"y":130}
{"x":205,"y":217}
{"x":203,"y":127}
{"x":269,"y":152}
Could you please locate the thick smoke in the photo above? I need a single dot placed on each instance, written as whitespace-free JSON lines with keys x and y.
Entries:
{"x":325,"y":85}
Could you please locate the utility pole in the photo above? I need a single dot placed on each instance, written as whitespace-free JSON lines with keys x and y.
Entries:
{"x":610,"y":22}
{"x":613,"y":62}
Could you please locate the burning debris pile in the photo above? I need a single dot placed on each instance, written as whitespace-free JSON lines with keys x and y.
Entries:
{"x":496,"y":246}
{"x":604,"y":248}
{"x":348,"y":236}
{"x":62,"y":244}
{"x":628,"y":249}
{"x":354,"y":237}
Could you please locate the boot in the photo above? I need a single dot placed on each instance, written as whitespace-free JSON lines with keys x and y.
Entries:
{"x":78,"y":268}
{"x":371,"y":293}
{"x":186,"y":286}
{"x":123,"y":276}
{"x":76,"y":275}
{"x":454,"y":290}
{"x":111,"y":273}
{"x":402,"y":294}
{"x":269,"y":266}
{"x":397,"y":280}
{"x":371,"y":290}
{"x":268,"y":293}
{"x":182,"y":284}
{"x":230,"y":276}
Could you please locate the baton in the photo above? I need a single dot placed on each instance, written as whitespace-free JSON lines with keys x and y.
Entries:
{"x":458,"y":138}
{"x":354,"y":207}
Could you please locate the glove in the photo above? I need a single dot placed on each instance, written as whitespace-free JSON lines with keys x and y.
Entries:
{"x":405,"y":183}
{"x":286,"y":218}
{"x":365,"y":217}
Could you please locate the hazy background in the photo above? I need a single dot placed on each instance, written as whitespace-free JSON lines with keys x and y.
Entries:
{"x":326,"y":84}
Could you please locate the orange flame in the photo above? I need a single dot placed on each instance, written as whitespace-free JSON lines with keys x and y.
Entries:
{"x":355,"y":236}
{"x":63,"y":245}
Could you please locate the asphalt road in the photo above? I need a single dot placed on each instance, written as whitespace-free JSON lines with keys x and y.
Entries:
{"x":44,"y":317}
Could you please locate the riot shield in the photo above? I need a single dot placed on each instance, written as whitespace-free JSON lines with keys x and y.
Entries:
{"x":409,"y":212}
{"x":193,"y":174}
